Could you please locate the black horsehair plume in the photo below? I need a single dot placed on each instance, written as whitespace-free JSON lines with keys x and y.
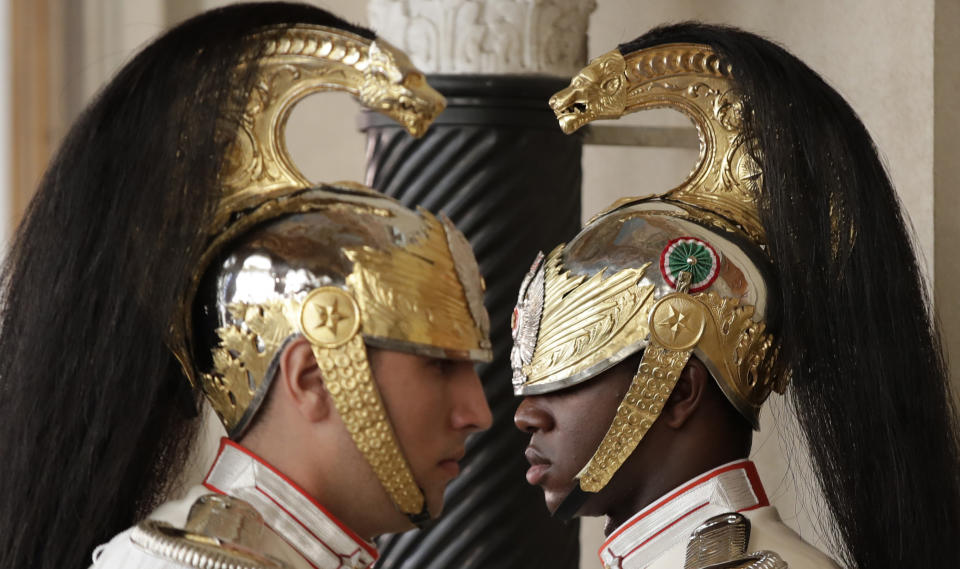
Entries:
{"x":93,"y":427}
{"x":869,"y":383}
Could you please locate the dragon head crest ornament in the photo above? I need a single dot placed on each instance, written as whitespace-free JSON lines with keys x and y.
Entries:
{"x":393,"y":86}
{"x":599,"y":91}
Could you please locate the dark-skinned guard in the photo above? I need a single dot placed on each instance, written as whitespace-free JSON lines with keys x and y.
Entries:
{"x":781,"y":263}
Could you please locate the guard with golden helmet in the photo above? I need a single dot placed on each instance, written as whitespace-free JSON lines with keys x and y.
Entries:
{"x":332,"y":330}
{"x":646,"y":346}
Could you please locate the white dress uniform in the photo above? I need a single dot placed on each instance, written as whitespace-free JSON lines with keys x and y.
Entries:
{"x":657,"y":536}
{"x":274,"y":524}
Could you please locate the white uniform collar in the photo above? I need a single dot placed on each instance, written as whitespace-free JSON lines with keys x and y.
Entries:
{"x":732,"y":487}
{"x":302,"y":522}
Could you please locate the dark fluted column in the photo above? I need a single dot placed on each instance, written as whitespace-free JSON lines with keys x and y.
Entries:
{"x":498,"y":165}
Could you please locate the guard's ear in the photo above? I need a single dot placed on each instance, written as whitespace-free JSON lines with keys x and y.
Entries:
{"x":302,"y":380}
{"x":687,"y":394}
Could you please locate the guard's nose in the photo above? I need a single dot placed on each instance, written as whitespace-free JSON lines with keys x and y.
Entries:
{"x":472,"y":412}
{"x":532,"y":416}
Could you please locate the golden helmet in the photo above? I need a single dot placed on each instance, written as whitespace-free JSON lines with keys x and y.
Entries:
{"x":673,"y":274}
{"x":339,"y":264}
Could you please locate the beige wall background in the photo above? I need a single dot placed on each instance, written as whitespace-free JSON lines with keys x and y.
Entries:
{"x":894,"y":60}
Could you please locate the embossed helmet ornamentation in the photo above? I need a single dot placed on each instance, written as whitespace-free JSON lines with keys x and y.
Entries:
{"x":671,"y":274}
{"x":339,"y":264}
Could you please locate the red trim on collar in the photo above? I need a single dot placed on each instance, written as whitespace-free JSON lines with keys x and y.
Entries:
{"x":745,"y":464}
{"x":665,"y":528}
{"x":305,"y":528}
{"x":757,"y":486}
{"x":224,"y":441}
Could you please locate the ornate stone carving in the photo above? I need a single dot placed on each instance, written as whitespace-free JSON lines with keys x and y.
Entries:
{"x":487,"y":36}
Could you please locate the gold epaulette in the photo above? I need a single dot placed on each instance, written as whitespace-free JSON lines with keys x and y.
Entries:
{"x":221,"y":533}
{"x":721,"y":543}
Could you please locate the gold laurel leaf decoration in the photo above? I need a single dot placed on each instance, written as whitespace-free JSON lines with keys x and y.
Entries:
{"x":414,"y":294}
{"x":243,"y":358}
{"x":585,"y":321}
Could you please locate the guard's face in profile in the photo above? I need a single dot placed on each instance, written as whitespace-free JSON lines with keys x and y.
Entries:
{"x":433,"y":404}
{"x":565,"y":429}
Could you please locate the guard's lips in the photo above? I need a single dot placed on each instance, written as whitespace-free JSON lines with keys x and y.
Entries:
{"x":534,"y":457}
{"x":456,"y":456}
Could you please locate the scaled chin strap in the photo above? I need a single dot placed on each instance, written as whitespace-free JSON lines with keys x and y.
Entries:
{"x":340,"y":264}
{"x":673,"y":274}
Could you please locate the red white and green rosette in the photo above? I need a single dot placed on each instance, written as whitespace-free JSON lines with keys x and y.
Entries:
{"x":694,"y":256}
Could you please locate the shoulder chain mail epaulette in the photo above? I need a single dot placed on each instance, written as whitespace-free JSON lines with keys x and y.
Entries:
{"x":204,"y":543}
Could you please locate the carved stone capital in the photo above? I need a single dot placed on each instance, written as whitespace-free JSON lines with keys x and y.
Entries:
{"x":547,"y":37}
